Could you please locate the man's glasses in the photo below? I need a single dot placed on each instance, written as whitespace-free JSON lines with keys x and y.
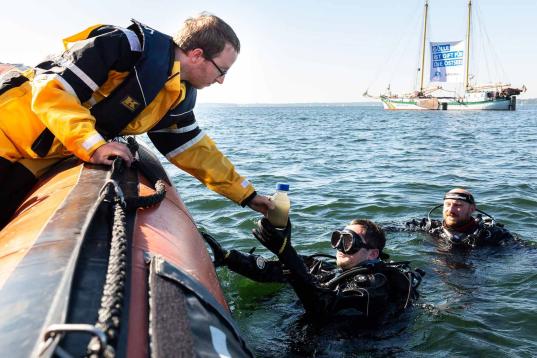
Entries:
{"x":347,"y":241}
{"x":222,"y":72}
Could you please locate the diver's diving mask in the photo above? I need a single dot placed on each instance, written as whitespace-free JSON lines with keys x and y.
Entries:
{"x":347,"y":241}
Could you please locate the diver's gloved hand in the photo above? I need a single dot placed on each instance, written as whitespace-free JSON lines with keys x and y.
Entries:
{"x":219,"y":254}
{"x":279,"y":242}
{"x":276,"y":240}
{"x":418,"y":225}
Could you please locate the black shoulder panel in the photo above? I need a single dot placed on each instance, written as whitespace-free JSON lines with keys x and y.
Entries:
{"x":142,"y":85}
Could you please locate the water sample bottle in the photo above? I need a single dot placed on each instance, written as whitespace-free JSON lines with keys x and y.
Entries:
{"x":278,"y":216}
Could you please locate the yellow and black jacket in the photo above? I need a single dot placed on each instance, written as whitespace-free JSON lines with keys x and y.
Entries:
{"x":112,"y":81}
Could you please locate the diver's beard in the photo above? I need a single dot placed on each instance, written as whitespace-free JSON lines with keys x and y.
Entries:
{"x":454,"y":222}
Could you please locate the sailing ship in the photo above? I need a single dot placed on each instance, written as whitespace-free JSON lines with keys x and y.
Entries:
{"x":448,"y":60}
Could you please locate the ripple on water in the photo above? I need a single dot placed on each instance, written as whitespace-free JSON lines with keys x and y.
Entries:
{"x":347,"y":162}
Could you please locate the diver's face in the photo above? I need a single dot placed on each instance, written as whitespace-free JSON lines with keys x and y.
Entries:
{"x":346,"y":261}
{"x":457,"y":212}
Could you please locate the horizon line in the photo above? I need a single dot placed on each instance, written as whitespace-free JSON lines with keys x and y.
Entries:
{"x":357,"y":103}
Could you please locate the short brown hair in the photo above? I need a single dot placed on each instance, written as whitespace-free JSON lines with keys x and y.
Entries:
{"x":374,"y":235}
{"x":208,"y":32}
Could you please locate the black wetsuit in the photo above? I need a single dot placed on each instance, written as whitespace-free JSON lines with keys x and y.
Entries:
{"x":478,"y":232}
{"x":368,"y":290}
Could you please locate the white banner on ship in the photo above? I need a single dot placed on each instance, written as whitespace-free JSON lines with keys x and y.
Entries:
{"x":447,"y":61}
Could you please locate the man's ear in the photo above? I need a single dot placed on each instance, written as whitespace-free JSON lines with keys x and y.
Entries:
{"x":195,"y":55}
{"x":373,"y":254}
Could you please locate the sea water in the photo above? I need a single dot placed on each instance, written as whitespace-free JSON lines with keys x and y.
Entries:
{"x":346,"y":162}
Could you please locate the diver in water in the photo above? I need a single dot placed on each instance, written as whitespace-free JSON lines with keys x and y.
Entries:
{"x":459,"y":227}
{"x":359,"y":283}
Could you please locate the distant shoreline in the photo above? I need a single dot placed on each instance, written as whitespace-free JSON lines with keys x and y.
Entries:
{"x":323,"y":104}
{"x":298,"y":104}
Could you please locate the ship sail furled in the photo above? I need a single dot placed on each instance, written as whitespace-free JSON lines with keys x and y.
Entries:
{"x":447,"y":61}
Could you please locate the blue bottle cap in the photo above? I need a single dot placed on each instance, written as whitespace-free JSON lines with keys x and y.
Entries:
{"x":282,"y":187}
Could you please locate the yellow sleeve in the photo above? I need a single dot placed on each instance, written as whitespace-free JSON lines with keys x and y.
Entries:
{"x":204,"y":161}
{"x":62,"y":113}
{"x":63,"y":82}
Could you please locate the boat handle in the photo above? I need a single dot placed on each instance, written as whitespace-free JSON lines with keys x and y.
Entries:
{"x":55,"y":330}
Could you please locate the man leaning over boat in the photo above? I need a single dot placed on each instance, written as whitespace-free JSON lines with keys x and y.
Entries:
{"x":113,"y":81}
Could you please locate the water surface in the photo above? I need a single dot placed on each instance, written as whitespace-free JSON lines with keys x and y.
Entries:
{"x":344,"y":162}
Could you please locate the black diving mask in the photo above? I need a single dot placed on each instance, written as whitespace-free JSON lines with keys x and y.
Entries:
{"x":347,"y":241}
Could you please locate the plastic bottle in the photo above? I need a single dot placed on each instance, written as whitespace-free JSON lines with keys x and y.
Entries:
{"x":278,"y":216}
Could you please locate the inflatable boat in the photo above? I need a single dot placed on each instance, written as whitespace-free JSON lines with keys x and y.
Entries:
{"x":102,"y":261}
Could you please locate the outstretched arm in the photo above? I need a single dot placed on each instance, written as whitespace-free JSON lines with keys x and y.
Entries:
{"x":190,"y":149}
{"x":254,"y":267}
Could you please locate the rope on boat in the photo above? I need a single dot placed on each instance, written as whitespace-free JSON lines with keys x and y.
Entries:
{"x":147,"y":201}
{"x":106,"y":331}
{"x":112,"y":300}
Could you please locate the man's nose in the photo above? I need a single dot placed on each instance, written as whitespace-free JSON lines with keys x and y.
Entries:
{"x":220,"y":79}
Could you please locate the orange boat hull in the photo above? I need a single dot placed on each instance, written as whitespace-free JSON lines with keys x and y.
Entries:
{"x":56,"y":238}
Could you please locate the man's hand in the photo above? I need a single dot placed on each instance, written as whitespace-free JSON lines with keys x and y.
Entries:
{"x":261,"y":204}
{"x":273,"y":239}
{"x":105,"y":153}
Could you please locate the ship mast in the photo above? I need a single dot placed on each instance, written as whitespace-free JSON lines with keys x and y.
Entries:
{"x":466,"y":83}
{"x":423,"y":45}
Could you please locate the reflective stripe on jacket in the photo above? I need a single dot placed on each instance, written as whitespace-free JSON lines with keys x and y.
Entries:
{"x":62,"y":90}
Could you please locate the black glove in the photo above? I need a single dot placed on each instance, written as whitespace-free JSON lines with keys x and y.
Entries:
{"x":419,"y":225}
{"x":219,"y":254}
{"x":276,"y":240}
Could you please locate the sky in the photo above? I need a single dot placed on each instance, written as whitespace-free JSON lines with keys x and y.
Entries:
{"x":302,"y":51}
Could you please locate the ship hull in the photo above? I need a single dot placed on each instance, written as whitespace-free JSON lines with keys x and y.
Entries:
{"x":448,"y":104}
